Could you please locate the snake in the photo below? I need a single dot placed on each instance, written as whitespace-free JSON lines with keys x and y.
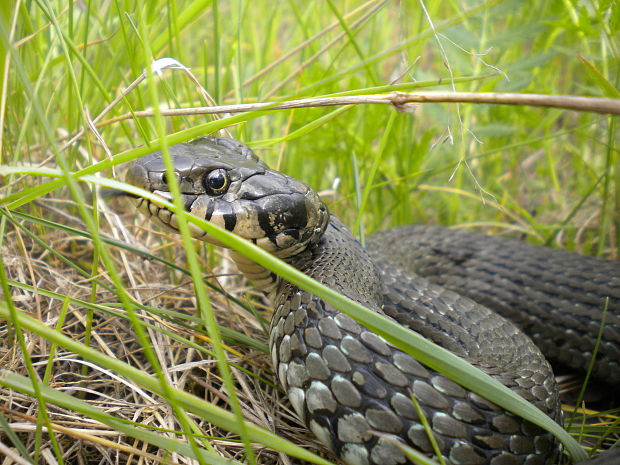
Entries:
{"x":473,"y":294}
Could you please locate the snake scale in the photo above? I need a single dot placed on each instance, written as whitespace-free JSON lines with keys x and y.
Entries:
{"x":354,"y":390}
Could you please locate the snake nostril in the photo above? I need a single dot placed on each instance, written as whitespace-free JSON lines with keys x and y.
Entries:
{"x":164,"y":178}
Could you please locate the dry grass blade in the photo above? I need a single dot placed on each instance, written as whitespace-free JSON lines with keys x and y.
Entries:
{"x":403,"y":102}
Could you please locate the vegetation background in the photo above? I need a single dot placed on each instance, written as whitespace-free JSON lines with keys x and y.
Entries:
{"x":100,"y":287}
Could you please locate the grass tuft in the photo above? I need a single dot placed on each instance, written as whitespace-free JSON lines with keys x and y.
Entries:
{"x":102,"y":308}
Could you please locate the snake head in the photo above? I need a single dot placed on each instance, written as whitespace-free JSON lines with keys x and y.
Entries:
{"x":222,"y":181}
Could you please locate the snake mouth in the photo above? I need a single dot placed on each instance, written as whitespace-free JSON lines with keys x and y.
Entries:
{"x":279,"y":223}
{"x":167,"y":219}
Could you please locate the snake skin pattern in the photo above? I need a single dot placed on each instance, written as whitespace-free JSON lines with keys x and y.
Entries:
{"x":529,"y":285}
{"x":354,"y":390}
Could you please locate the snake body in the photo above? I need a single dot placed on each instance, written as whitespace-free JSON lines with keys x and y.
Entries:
{"x":354,"y":390}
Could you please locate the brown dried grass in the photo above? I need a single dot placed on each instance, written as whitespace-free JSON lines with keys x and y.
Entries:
{"x":85,"y":441}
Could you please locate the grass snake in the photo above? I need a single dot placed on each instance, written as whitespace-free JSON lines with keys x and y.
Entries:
{"x":349,"y":386}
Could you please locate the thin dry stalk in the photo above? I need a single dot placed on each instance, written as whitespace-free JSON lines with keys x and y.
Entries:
{"x":402,"y":101}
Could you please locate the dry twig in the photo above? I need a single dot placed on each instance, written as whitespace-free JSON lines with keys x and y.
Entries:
{"x":402,"y":101}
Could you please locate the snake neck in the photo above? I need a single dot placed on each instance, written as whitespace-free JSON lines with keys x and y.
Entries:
{"x":263,"y":279}
{"x":337,"y":249}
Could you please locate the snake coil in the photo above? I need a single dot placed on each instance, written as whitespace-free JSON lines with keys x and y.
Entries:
{"x":351,"y":388}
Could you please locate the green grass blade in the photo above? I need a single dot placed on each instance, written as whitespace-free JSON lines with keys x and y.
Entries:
{"x":14,"y":438}
{"x":606,"y":87}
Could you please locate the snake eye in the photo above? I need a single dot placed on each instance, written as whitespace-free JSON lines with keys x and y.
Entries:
{"x":216,"y":182}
